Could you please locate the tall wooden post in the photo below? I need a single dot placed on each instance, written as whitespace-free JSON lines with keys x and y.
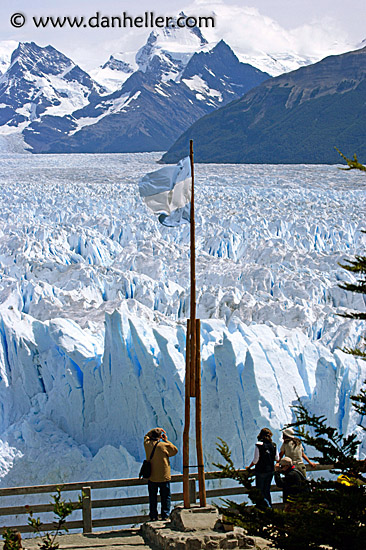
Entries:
{"x":201,"y":471}
{"x":193,"y":339}
{"x":193,"y":371}
{"x":187,"y":414}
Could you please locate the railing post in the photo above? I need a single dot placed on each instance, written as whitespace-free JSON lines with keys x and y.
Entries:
{"x":192,"y":491}
{"x":87,"y":510}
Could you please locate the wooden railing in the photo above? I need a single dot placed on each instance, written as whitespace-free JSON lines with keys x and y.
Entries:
{"x":85,"y":488}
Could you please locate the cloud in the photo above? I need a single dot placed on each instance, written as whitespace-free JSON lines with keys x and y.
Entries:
{"x":249,"y":31}
{"x":245,"y":28}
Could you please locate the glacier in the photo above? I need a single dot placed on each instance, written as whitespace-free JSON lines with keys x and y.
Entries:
{"x":94,"y":297}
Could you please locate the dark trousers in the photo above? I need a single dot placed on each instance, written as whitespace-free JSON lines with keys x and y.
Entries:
{"x":164,"y":488}
{"x":263,"y":484}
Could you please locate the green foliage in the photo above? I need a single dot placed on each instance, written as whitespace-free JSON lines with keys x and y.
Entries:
{"x":353,"y":164}
{"x":244,"y":477}
{"x":61,"y":510}
{"x":12,"y":539}
{"x":357,"y":267}
{"x":333,"y":514}
{"x":334,"y":447}
{"x":359,"y":403}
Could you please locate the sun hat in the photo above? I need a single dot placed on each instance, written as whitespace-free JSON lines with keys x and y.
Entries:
{"x":286,"y":461}
{"x":155,"y":434}
{"x":288,"y":432}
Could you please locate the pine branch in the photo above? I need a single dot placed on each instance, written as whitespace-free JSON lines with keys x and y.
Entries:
{"x":228,"y":470}
{"x":356,"y":352}
{"x":359,"y":402}
{"x":358,"y":265}
{"x":334,"y":447}
{"x":352,"y":163}
{"x":359,"y":288}
{"x":353,"y":315}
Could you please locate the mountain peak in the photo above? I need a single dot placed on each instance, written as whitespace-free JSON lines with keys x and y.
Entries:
{"x":37,"y":59}
{"x":116,"y":64}
{"x":173,"y":43}
{"x":42,"y":81}
{"x":297,"y":117}
{"x":222,"y":48}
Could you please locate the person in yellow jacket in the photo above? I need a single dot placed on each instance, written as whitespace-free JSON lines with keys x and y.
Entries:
{"x":160,"y":471}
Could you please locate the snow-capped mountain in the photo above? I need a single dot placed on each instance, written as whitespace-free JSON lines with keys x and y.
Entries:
{"x":175,"y":79}
{"x":114,"y":72}
{"x":278,"y":63}
{"x":169,"y":91}
{"x":141,"y":102}
{"x":298,"y":117}
{"x":173,"y":46}
{"x":41,"y":81}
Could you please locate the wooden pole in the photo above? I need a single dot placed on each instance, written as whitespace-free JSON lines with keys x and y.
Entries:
{"x":193,"y":371}
{"x":87,"y":510}
{"x":201,"y":471}
{"x":187,"y":414}
{"x":193,"y":282}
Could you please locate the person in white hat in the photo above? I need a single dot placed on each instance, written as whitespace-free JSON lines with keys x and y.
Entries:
{"x":292,"y":448}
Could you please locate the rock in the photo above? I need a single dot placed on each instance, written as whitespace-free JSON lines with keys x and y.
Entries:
{"x":195,"y":518}
{"x":183,"y":533}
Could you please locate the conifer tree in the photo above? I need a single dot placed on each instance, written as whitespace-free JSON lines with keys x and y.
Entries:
{"x":353,"y":164}
{"x":358,"y":268}
{"x":333,"y":514}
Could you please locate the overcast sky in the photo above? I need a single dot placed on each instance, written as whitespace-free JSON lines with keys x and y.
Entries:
{"x":305,"y":26}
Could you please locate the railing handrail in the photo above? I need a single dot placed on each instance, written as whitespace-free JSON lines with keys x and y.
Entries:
{"x":88,"y":504}
{"x":111,"y":483}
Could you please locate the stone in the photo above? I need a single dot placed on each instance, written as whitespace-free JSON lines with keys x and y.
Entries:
{"x":195,"y":518}
{"x":229,"y":544}
{"x":194,"y":543}
{"x":183,"y":532}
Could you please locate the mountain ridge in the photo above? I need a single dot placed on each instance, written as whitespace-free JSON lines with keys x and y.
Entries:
{"x":298,"y":117}
{"x":151,"y":108}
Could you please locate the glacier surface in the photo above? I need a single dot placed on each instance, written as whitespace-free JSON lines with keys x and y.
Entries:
{"x":94,"y":296}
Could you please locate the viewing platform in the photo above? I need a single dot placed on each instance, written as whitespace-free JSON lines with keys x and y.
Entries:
{"x":166,"y":534}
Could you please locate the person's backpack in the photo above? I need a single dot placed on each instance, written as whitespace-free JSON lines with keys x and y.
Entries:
{"x":267,"y":453}
{"x":305,"y":483}
{"x":145,"y":471}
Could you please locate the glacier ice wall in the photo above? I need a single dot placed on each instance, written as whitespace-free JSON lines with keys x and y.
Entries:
{"x":94,"y":296}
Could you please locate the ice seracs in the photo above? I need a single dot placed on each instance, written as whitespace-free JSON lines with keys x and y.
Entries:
{"x":94,"y":294}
